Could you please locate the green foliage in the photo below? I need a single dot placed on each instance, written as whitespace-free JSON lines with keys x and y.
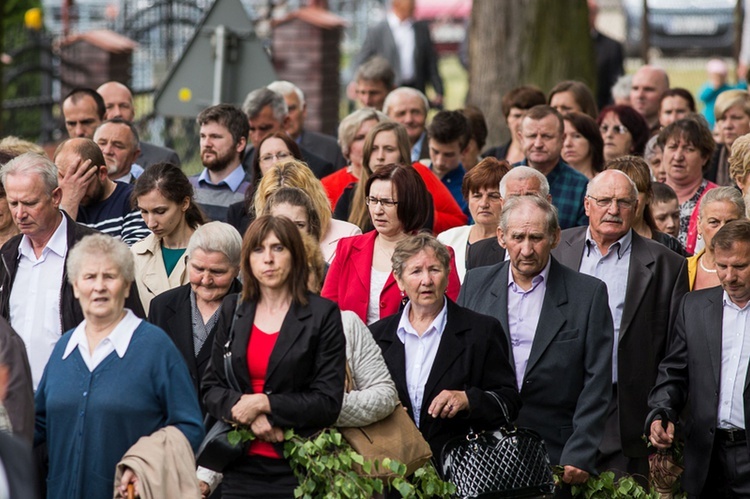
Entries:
{"x":605,"y":486}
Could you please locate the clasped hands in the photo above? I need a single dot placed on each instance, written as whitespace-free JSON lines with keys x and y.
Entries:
{"x":253,"y":409}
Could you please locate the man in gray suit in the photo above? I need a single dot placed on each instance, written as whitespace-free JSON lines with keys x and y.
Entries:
{"x":706,"y":370}
{"x":559,"y":331}
{"x":645,"y":283}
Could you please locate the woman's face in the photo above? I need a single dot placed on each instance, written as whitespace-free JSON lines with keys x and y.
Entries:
{"x":485,"y":206}
{"x":384,"y":149}
{"x":271,"y":263}
{"x":576,"y":148}
{"x":162,"y":215}
{"x":683,"y":161}
{"x":296,"y":214}
{"x":211,"y":275}
{"x":672,"y":108}
{"x":384,"y":218}
{"x":271,"y":152}
{"x":424,"y":280}
{"x":358,"y":143}
{"x":658,"y":167}
{"x":101,"y":289}
{"x":715,"y":216}
{"x":565,"y":102}
{"x":735,"y":123}
{"x":6,"y":218}
{"x":618,"y":141}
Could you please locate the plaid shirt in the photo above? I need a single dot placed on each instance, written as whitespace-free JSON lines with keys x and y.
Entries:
{"x":568,"y":188}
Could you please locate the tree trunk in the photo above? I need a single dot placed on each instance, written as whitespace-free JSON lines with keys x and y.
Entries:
{"x":525,"y":42}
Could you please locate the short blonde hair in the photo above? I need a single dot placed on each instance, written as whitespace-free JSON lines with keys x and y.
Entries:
{"x":731,"y":98}
{"x":101,"y":246}
{"x":293,"y":173}
{"x":739,"y":160}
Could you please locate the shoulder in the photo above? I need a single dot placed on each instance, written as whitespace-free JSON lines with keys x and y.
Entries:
{"x":320,"y":305}
{"x":145,"y":246}
{"x":381,"y":329}
{"x":340,"y":227}
{"x":573,"y":234}
{"x":358,"y":241}
{"x":149,"y":336}
{"x":479,"y":322}
{"x":662,"y":254}
{"x":484,"y":275}
{"x":79,"y":231}
{"x":455,"y":234}
{"x":172,"y":296}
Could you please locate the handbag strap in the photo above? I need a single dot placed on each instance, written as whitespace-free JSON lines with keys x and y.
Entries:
{"x":228,"y":371}
{"x":501,"y":404}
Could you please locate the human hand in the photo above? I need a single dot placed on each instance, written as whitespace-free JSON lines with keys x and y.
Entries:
{"x":129,"y":477}
{"x":205,"y":489}
{"x":448,"y":403}
{"x":249,"y":406}
{"x":263,"y":430}
{"x":573,"y":475}
{"x":75,"y":183}
{"x":742,"y":71}
{"x":661,"y":437}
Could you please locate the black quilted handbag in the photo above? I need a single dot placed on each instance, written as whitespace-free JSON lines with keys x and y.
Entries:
{"x":507,"y":462}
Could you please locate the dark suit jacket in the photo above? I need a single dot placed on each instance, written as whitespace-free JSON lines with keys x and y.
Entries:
{"x":19,"y":399}
{"x":324,"y":146}
{"x":657,"y":281}
{"x":568,"y":381}
{"x":690,"y":375}
{"x":484,"y":253}
{"x":319,"y":166}
{"x":305,"y":376}
{"x":152,"y":154}
{"x":609,"y":60}
{"x":172,"y":312}
{"x":471,"y":357}
{"x":19,"y":466}
{"x":380,"y":41}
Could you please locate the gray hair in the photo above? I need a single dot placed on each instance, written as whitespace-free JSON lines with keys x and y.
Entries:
{"x":726,"y":194}
{"x":285,"y":88}
{"x":349,"y":126}
{"x":377,"y":69}
{"x":217,"y":237}
{"x":101,"y":246}
{"x":262,"y":97}
{"x":405,"y":91}
{"x":412,"y":245}
{"x":592,"y":183}
{"x":651,"y":149}
{"x":621,"y":88}
{"x":32,"y":163}
{"x":522,"y":172}
{"x":516,"y":202}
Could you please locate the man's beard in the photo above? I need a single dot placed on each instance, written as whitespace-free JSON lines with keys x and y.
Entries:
{"x":217,"y":163}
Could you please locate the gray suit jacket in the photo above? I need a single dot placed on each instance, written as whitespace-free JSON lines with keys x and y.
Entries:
{"x":656,"y":282}
{"x":152,"y":154}
{"x":690,"y":375}
{"x":567,"y":385}
{"x":324,"y":146}
{"x":380,"y":41}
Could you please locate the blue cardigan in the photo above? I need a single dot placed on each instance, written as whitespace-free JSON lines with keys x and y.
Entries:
{"x":90,"y":419}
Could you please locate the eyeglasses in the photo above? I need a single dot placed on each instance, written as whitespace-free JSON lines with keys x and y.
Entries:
{"x":616,"y":129}
{"x":385,"y":203}
{"x":279,"y":156}
{"x":623,"y":204}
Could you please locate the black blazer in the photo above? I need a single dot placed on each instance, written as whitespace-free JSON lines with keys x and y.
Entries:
{"x":472,"y":356}
{"x":171,"y":311}
{"x":20,"y":470}
{"x":484,"y":253}
{"x":305,"y":377}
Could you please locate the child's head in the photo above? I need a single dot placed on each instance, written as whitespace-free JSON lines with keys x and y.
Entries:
{"x":665,"y":209}
{"x":717,"y":70}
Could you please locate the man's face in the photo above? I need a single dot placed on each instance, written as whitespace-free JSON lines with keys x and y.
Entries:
{"x":673,"y":108}
{"x":521,"y":187}
{"x":409,"y":111}
{"x":645,"y":92}
{"x":81,"y":118}
{"x":118,"y":146}
{"x":542,"y":141}
{"x":297,"y":114}
{"x":527,"y":241}
{"x":371,"y":93}
{"x":610,"y":221}
{"x":218,"y":148}
{"x":733,"y":270}
{"x":66,"y":159}
{"x":404,"y":9}
{"x":35,"y":212}
{"x":263,"y":125}
{"x":118,"y":101}
{"x":445,"y":157}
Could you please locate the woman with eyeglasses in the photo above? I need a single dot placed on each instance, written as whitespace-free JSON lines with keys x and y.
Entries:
{"x":360,"y":277}
{"x":624,"y":131}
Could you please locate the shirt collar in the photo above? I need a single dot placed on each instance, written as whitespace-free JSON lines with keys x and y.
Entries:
{"x":416,"y":149}
{"x":727,"y":301}
{"x":438,"y":324}
{"x":119,"y":337}
{"x":538,"y":279}
{"x":58,"y":243}
{"x":233,"y":180}
{"x":395,"y":22}
{"x":623,"y":244}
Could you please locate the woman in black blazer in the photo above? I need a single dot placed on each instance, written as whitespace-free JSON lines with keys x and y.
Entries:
{"x":288,"y":355}
{"x":468,"y":360}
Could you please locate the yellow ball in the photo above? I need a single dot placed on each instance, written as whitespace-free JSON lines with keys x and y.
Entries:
{"x":33,"y":18}
{"x":185,"y":94}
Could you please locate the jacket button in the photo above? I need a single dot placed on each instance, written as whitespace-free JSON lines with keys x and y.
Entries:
{"x":269,"y":392}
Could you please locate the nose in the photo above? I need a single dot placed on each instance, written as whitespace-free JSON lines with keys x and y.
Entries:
{"x":80,"y":131}
{"x":538,"y":141}
{"x":150,"y":221}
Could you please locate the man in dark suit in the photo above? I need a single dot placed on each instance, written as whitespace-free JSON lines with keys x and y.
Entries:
{"x":559,"y":333}
{"x":609,"y":59}
{"x":645,"y":282}
{"x":267,"y":113}
{"x":407,"y":46}
{"x":705,"y":371}
{"x":519,"y":181}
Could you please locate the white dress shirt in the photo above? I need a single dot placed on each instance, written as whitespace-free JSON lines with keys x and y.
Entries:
{"x":377,"y":283}
{"x":35,"y":298}
{"x":735,"y":354}
{"x":420,"y":352}
{"x":116,"y":341}
{"x":4,"y":485}
{"x":403,"y":34}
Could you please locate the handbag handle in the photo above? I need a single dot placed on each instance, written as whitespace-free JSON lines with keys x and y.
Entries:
{"x":503,"y":408}
{"x":228,"y":371}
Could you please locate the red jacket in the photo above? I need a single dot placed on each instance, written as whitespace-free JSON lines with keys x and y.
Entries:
{"x":447,"y":212}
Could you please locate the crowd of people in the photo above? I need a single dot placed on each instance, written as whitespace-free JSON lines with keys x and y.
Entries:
{"x":589,"y":279}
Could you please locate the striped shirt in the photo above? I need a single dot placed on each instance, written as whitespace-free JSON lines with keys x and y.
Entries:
{"x":567,"y":188}
{"x":115,"y":216}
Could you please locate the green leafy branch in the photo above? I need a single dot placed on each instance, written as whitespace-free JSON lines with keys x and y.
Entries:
{"x":604,"y":486}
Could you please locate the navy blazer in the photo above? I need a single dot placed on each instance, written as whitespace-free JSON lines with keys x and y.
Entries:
{"x":471,"y":357}
{"x":305,"y":376}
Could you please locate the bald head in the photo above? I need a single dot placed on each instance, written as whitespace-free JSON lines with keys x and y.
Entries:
{"x":118,"y":101}
{"x":649,"y":83}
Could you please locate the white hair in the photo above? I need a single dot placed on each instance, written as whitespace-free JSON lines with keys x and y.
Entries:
{"x":285,"y":88}
{"x":522,"y":172}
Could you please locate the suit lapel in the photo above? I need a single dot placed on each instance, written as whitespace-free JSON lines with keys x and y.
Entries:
{"x":242,"y":327}
{"x":450,"y":348}
{"x":361,"y":255}
{"x":499,"y":293}
{"x":713,"y":315}
{"x":291,"y":328}
{"x":395,"y":358}
{"x":639,"y":279}
{"x":570,"y":253}
{"x":181,"y":323}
